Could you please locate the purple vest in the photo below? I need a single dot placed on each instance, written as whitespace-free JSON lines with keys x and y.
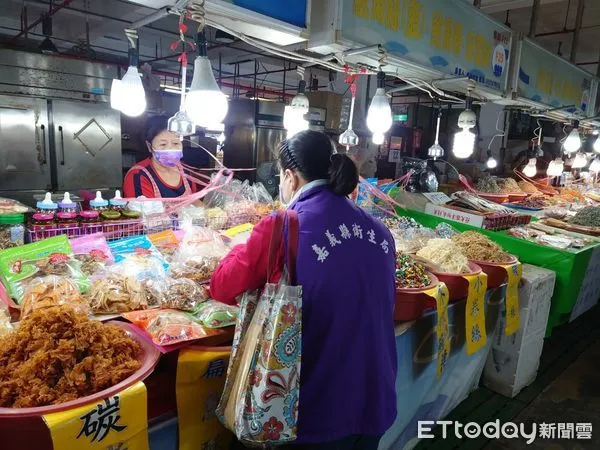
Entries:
{"x":346,"y":266}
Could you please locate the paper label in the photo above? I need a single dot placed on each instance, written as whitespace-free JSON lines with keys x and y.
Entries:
{"x":201,"y":376}
{"x":475,"y":333}
{"x":117,"y":422}
{"x":455,"y":215}
{"x":437,"y":198}
{"x":514,"y":272}
{"x":441,"y":296}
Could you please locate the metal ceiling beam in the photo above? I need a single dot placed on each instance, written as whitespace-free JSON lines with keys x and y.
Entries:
{"x":534,"y":18}
{"x":491,"y":6}
{"x":577,"y":33}
{"x":53,"y":10}
{"x":566,"y":31}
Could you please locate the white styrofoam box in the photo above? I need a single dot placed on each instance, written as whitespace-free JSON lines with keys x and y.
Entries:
{"x":513,"y":360}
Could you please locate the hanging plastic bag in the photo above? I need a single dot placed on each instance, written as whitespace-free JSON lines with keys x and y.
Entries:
{"x":267,"y":347}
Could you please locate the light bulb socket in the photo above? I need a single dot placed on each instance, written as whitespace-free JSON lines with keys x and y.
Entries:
{"x":134,"y":56}
{"x":381,"y":79}
{"x":201,"y":43}
{"x":301,"y":86}
{"x":576,"y":124}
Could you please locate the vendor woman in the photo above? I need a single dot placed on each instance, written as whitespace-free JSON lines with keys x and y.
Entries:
{"x":161,"y":175}
{"x":346,"y":267}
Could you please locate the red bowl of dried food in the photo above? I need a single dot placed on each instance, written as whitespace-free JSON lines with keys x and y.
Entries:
{"x":412,"y":302}
{"x":458,"y":286}
{"x":495,"y":272}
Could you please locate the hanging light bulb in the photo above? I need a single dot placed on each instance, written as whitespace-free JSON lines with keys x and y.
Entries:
{"x":530,"y":169}
{"x":205,"y":103}
{"x":294,"y":115}
{"x":464,"y":143}
{"x":595,"y":166}
{"x":573,"y":141}
{"x":491,"y":162}
{"x":379,"y":116}
{"x":579,"y":162}
{"x":555,"y":168}
{"x":436,"y":150}
{"x":127,"y":95}
{"x":378,"y":139}
{"x":597,"y":145}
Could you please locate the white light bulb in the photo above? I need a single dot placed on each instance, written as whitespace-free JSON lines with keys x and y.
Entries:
{"x":491,"y":163}
{"x":379,"y":116}
{"x":132,"y":100}
{"x":205,"y":103}
{"x":573,"y":142}
{"x":579,"y":161}
{"x":555,"y":168}
{"x":464,"y":144}
{"x":595,"y":166}
{"x":597,"y":145}
{"x":378,"y":139}
{"x":116,"y":94}
{"x":530,"y":169}
{"x":221,"y":138}
{"x":294,"y":121}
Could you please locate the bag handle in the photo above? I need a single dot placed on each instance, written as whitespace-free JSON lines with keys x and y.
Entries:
{"x":276,"y":243}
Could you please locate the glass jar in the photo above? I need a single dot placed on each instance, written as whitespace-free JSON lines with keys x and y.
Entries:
{"x":42,"y":225}
{"x":66,"y":223}
{"x":12,"y":230}
{"x":110,"y":218}
{"x":90,"y":222}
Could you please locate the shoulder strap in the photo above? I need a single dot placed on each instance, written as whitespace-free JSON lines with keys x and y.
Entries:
{"x":275,"y":245}
{"x":292,"y":244}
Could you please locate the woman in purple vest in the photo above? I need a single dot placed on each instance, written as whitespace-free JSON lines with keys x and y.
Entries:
{"x":346,"y":267}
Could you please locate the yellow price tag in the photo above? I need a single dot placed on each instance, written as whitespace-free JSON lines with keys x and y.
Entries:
{"x":201,"y":375}
{"x":442,"y":331}
{"x":117,"y":422}
{"x":475,"y":333}
{"x":515,"y":273}
{"x":243,"y":228}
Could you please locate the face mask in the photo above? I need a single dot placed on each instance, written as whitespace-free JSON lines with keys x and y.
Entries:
{"x":168,"y":157}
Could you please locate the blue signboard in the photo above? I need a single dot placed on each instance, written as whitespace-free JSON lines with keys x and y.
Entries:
{"x":292,"y":12}
{"x":549,"y":79}
{"x":448,"y":35}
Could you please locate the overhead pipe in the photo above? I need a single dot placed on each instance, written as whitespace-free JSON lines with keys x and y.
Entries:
{"x":534,"y":18}
{"x":577,"y":33}
{"x":160,"y":14}
{"x":53,"y":10}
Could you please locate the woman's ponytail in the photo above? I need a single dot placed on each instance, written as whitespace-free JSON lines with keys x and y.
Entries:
{"x":343,"y":175}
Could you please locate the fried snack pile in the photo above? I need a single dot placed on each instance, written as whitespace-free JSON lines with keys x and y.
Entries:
{"x":478,"y":247}
{"x":445,"y":255}
{"x":198,"y":269}
{"x":116,"y":294}
{"x":57,"y":355}
{"x":51,"y":291}
{"x":181,"y":293}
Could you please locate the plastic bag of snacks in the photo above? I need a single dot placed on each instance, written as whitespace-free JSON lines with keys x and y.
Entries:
{"x":180,"y":293}
{"x":213,"y":314}
{"x":5,"y":325}
{"x":12,"y":220}
{"x":51,"y":256}
{"x":113,"y":292}
{"x":199,"y":255}
{"x":46,"y":292}
{"x":166,"y":243}
{"x":136,"y":249}
{"x":92,"y":251}
{"x":167,"y":326}
{"x":193,"y":215}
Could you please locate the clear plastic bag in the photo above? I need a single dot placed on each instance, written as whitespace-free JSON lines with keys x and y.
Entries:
{"x":5,"y":325}
{"x":411,"y":240}
{"x":182,"y":294}
{"x":93,"y":252}
{"x":49,"y":291}
{"x":166,"y":243}
{"x":213,"y":314}
{"x":113,"y":292}
{"x":167,"y":326}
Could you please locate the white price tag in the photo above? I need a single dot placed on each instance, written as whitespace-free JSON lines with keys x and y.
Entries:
{"x":454,"y":215}
{"x":437,"y":198}
{"x":395,"y":156}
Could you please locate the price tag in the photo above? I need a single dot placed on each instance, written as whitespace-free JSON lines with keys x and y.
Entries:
{"x":442,"y":331}
{"x":437,"y":198}
{"x":475,"y":332}
{"x":117,"y":422}
{"x":201,"y":375}
{"x":395,"y":156}
{"x":454,"y":215}
{"x":514,"y":272}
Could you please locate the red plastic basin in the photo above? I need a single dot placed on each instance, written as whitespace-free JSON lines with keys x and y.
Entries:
{"x":458,"y":287}
{"x":148,"y":358}
{"x":495,"y":272}
{"x":411,"y":302}
{"x":517,"y":196}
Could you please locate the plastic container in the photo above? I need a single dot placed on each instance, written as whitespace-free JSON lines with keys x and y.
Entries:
{"x":495,"y":272}
{"x":47,"y":206}
{"x":99,"y":204}
{"x":458,"y":287}
{"x":411,"y":302}
{"x":42,"y":226}
{"x":90,"y":222}
{"x":12,"y":230}
{"x":117,"y":203}
{"x":148,"y":358}
{"x":66,"y":205}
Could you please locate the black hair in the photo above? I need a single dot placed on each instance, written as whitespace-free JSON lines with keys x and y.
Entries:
{"x":313,"y":154}
{"x":154,"y":126}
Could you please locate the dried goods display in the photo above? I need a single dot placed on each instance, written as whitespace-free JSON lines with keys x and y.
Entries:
{"x":213,"y":314}
{"x":508,"y":185}
{"x":412,"y":240}
{"x":216,"y":218}
{"x":410,"y":273}
{"x":138,"y":247}
{"x":199,"y":255}
{"x":52,"y":291}
{"x":587,"y":217}
{"x":198,"y":269}
{"x":58,"y":355}
{"x":92,"y":252}
{"x":182,"y":293}
{"x":478,"y":247}
{"x":445,"y":255}
{"x":488,"y":185}
{"x":167,"y":326}
{"x":116,"y":293}
{"x":9,"y":206}
{"x":166,"y":242}
{"x":527,"y":187}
